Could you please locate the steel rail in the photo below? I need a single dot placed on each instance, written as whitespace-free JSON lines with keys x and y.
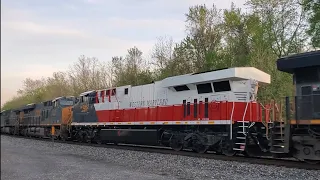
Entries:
{"x":288,"y":163}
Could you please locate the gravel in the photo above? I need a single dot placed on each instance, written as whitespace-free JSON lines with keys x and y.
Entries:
{"x":142,"y":165}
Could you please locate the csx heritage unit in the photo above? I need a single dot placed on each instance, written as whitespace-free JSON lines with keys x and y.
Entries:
{"x":216,"y":110}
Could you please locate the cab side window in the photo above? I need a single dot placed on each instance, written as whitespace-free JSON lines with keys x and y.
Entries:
{"x":43,"y":115}
{"x":92,"y":99}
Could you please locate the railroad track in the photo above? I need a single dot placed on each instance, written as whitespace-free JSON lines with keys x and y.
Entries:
{"x":289,"y":163}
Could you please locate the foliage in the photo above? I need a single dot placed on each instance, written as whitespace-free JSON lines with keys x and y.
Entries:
{"x":132,"y":69}
{"x":214,"y":39}
{"x":312,"y":7}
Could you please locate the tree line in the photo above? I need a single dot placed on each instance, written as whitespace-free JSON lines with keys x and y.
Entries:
{"x":215,"y":38}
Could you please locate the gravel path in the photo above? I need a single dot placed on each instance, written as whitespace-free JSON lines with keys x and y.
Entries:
{"x":83,"y":162}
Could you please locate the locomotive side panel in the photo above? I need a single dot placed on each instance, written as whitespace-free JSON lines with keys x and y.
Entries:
{"x":46,"y":111}
{"x":84,"y":111}
{"x":5,"y":118}
{"x":190,"y":105}
{"x":302,"y":125}
{"x":5,"y":121}
{"x":13,"y":118}
{"x":169,"y":107}
{"x":66,"y":115}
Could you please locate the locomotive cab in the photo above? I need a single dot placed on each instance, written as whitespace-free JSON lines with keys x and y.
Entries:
{"x":61,"y":109}
{"x":306,"y":78}
{"x":304,"y":123}
{"x":63,"y":101}
{"x":84,"y":110}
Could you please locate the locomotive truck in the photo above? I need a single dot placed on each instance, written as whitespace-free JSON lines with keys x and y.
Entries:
{"x":215,"y":110}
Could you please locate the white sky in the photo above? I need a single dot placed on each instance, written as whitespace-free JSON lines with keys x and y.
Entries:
{"x":39,"y":37}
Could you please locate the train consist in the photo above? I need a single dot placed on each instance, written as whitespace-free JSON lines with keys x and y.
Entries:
{"x":216,"y":110}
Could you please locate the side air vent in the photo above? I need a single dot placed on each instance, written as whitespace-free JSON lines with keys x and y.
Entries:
{"x":241,"y":96}
{"x":181,"y":88}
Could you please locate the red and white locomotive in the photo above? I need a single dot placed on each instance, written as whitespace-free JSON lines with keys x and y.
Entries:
{"x":201,"y":111}
{"x":215,"y":110}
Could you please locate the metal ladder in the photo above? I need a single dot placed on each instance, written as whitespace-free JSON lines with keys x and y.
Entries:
{"x":242,"y":130}
{"x":243,"y":126}
{"x":278,"y":138}
{"x":241,"y":137}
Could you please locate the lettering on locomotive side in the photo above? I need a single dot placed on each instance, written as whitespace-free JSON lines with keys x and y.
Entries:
{"x":84,"y":108}
{"x":156,"y":102}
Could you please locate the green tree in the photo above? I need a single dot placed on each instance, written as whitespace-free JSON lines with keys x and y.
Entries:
{"x":312,"y":7}
{"x":88,"y":74}
{"x":131,"y":70}
{"x":162,"y":57}
{"x":204,"y":34}
{"x":58,"y":85}
{"x":237,"y":38}
{"x":284,"y":22}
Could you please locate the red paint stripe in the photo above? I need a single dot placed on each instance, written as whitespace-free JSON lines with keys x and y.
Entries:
{"x":217,"y":111}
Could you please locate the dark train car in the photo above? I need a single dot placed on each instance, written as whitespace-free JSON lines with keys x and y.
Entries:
{"x":61,"y":116}
{"x":31,"y":127}
{"x":61,"y":111}
{"x":54,"y":116}
{"x":20,"y":117}
{"x":5,"y":121}
{"x":12,"y":121}
{"x":84,"y":112}
{"x":302,"y":129}
{"x":51,"y":116}
{"x":41,"y":119}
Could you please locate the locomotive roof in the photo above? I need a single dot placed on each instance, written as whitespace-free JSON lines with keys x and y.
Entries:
{"x":87,"y":92}
{"x":26,"y":107}
{"x":55,"y":99}
{"x":236,"y":73}
{"x":302,"y":60}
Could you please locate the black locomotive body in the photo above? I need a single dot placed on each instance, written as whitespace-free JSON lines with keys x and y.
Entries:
{"x":302,"y":127}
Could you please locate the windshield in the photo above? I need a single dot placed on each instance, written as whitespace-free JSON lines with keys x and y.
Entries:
{"x":66,"y":102}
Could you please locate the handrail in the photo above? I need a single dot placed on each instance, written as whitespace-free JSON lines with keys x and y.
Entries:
{"x":244,"y":115}
{"x":231,"y":119}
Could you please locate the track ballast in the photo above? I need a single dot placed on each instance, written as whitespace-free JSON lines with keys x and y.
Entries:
{"x":288,"y":163}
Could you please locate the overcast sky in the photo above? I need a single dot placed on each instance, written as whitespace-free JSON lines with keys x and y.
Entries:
{"x":39,"y":37}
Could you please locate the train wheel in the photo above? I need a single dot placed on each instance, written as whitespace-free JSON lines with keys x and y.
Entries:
{"x":64,"y":136}
{"x":200,"y":149}
{"x":198,"y":146}
{"x":229,"y":152}
{"x":218,"y":150}
{"x":176,"y":143}
{"x":85,"y":137}
{"x":80,"y":136}
{"x":227,"y":148}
